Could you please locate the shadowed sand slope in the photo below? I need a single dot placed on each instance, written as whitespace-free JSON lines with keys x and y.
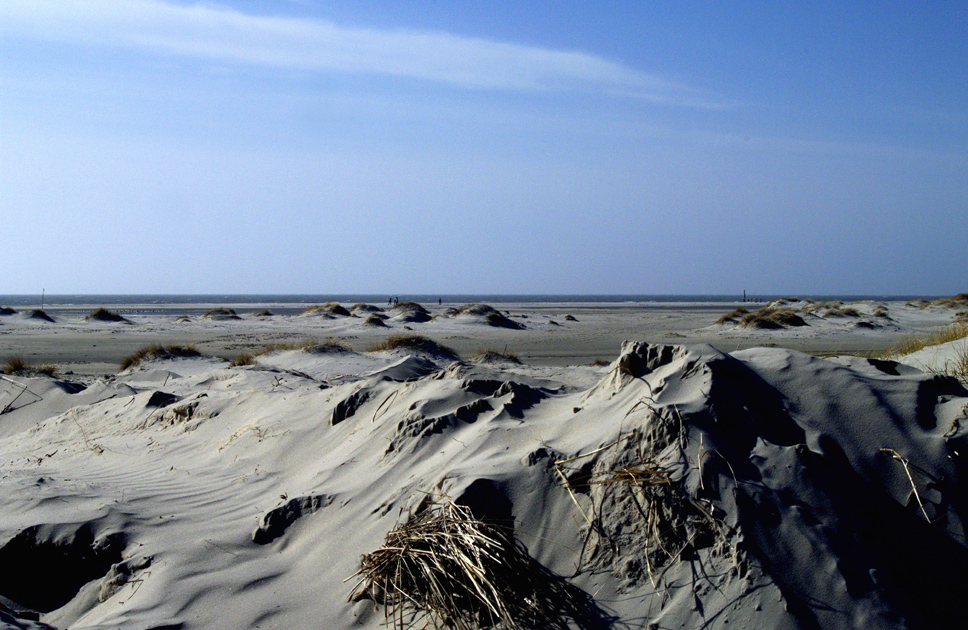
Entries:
{"x":678,"y":486}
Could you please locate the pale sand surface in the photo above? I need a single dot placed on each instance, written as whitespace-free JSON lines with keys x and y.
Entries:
{"x":96,"y":348}
{"x":680,"y":486}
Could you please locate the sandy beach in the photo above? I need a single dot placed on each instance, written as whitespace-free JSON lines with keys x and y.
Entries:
{"x":602,"y":466}
{"x":551,"y":334}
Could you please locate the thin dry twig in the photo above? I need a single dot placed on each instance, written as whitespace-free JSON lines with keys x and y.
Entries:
{"x":907,"y":470}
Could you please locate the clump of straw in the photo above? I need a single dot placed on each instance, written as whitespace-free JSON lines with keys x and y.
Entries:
{"x":447,"y":568}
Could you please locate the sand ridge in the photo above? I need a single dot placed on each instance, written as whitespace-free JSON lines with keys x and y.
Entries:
{"x":677,"y":486}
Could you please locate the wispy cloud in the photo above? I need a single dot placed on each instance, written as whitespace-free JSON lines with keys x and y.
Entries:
{"x":210,"y":32}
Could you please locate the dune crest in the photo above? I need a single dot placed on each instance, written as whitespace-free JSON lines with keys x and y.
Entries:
{"x":764,"y":488}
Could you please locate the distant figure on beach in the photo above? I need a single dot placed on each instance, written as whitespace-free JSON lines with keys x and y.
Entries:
{"x":439,"y":301}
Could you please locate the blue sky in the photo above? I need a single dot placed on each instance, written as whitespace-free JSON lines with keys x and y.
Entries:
{"x":152,"y":146}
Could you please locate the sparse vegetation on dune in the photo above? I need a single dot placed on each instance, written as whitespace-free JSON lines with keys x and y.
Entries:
{"x":314,"y":346}
{"x":493,"y":355}
{"x":264,"y":313}
{"x":104,"y":315}
{"x":159,"y":351}
{"x":331,"y":309}
{"x":376,"y":320}
{"x":415,"y":343}
{"x":18,"y":366}
{"x":327,"y":346}
{"x":958,"y":367}
{"x":411,"y":312}
{"x":812,"y":306}
{"x":243,"y":359}
{"x":844,"y":311}
{"x":446,"y":568}
{"x":770,"y":317}
{"x":476,"y":309}
{"x":365,"y":308}
{"x":908,"y":345}
{"x":6,"y":310}
{"x":39,"y":314}
{"x":957,"y":301}
{"x":221,"y":313}
{"x":491,"y":315}
{"x":500,"y":321}
{"x":732,"y":316}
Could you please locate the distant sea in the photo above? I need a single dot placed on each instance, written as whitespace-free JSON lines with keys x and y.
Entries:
{"x":283,"y":304}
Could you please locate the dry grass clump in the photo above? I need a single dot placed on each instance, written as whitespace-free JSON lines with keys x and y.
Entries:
{"x":444,"y":568}
{"x":732,"y":316}
{"x":330,"y":309}
{"x":415,"y":343}
{"x":958,"y":367}
{"x":493,"y":355}
{"x":159,"y":351}
{"x":811,"y":306}
{"x":104,"y":315}
{"x":643,"y":505}
{"x":264,"y":313}
{"x":601,"y":363}
{"x":18,"y":366}
{"x":243,"y":359}
{"x":769,"y":317}
{"x":221,"y":313}
{"x":846,"y":311}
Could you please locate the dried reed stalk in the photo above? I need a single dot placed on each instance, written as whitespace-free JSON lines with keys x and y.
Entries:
{"x":461,"y":572}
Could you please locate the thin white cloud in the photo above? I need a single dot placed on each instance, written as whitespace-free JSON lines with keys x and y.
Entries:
{"x":205,"y":31}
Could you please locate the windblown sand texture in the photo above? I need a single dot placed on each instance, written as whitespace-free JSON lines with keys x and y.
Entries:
{"x":678,"y":486}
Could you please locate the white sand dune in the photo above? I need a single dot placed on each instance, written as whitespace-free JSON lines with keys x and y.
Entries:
{"x":677,"y":487}
{"x":939,"y":358}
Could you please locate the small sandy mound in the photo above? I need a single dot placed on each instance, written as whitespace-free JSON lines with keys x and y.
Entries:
{"x":411,"y":313}
{"x":489,"y":315}
{"x":416,"y":344}
{"x":104,"y":315}
{"x":329,"y":310}
{"x":365,"y":308}
{"x":221,"y":314}
{"x":495,"y":357}
{"x":38,"y":315}
{"x":771,"y":318}
{"x":374,"y":320}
